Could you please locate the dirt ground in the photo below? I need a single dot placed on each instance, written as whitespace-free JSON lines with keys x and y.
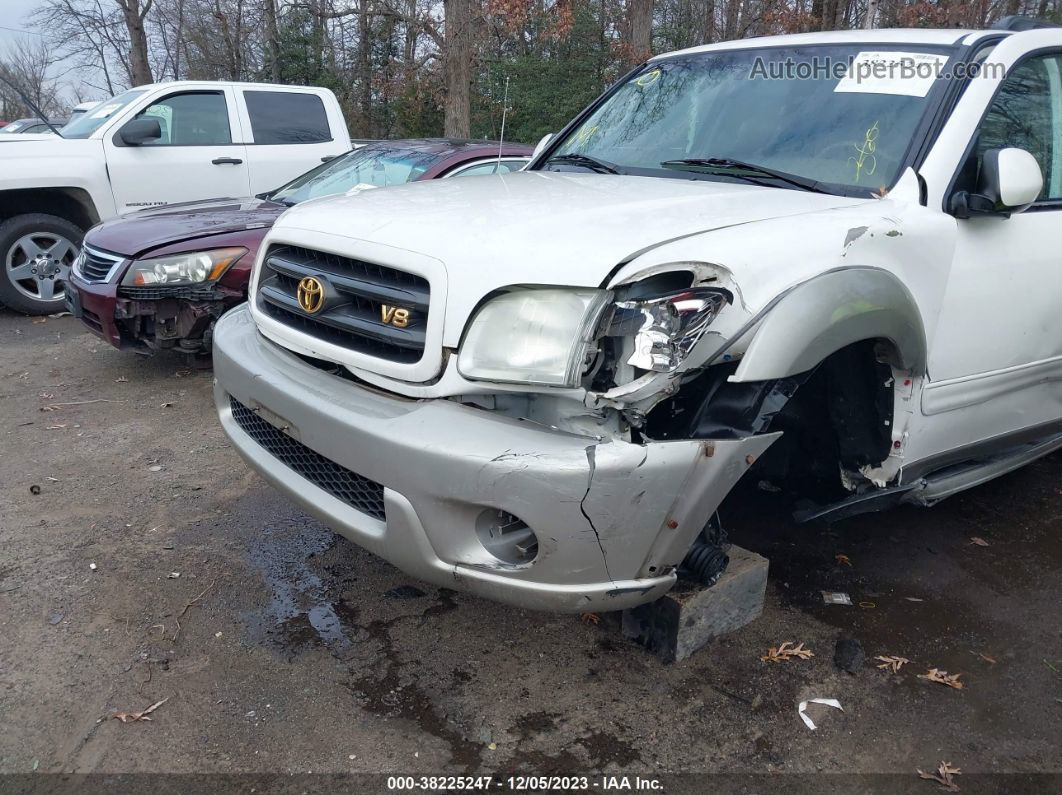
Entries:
{"x":283,"y":648}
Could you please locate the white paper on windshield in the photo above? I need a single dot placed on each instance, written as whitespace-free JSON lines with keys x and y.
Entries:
{"x":105,"y":111}
{"x":909,"y":74}
{"x":360,"y":188}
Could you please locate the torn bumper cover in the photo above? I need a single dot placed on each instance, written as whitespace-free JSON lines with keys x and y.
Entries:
{"x":612,"y":519}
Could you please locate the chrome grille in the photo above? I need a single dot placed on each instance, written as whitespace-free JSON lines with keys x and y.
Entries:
{"x":356,"y":294}
{"x":355,"y":490}
{"x":96,"y":266}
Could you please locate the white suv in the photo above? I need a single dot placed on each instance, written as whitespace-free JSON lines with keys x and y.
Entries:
{"x":830,"y":261}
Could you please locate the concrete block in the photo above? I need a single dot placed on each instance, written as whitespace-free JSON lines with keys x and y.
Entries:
{"x":689,"y":616}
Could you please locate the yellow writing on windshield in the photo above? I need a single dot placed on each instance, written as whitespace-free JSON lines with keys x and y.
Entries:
{"x":864,"y":159}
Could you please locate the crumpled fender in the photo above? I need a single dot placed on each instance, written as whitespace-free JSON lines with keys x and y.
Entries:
{"x":818,"y":317}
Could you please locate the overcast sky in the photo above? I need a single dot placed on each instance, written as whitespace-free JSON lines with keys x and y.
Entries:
{"x":15,"y":25}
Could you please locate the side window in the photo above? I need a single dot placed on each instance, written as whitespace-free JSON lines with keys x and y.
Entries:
{"x":287,"y":117}
{"x":195,"y":119}
{"x":493,"y":167}
{"x":1026,"y":113}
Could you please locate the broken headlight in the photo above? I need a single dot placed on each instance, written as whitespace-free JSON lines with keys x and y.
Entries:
{"x":533,"y":336}
{"x":664,"y":329}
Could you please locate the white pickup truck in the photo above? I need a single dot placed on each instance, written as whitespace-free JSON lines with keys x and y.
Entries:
{"x":828,"y":263}
{"x":153,"y":145}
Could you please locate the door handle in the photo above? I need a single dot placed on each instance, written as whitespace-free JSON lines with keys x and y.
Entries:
{"x":229,"y":161}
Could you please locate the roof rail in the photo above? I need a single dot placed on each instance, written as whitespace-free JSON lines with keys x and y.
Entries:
{"x":1018,"y":23}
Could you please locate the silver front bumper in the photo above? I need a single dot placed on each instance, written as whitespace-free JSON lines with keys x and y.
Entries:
{"x":612,"y":519}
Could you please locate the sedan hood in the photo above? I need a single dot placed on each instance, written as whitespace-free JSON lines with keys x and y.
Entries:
{"x":544,"y":227}
{"x":138,"y":232}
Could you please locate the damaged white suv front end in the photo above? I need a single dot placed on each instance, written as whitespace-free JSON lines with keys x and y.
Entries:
{"x":540,"y":387}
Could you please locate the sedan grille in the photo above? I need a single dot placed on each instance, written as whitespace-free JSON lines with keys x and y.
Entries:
{"x":355,"y":490}
{"x":368,"y":308}
{"x":97,"y":266}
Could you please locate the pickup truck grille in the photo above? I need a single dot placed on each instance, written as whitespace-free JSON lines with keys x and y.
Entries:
{"x":97,"y":265}
{"x":355,"y":490}
{"x":364,"y":304}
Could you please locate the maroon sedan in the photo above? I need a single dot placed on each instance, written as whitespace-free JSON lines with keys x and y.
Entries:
{"x":160,"y":278}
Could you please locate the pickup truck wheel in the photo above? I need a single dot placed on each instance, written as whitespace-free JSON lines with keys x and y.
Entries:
{"x":36,"y":252}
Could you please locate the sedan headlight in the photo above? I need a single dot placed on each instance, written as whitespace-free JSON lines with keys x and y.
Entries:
{"x":533,"y":336}
{"x":195,"y":267}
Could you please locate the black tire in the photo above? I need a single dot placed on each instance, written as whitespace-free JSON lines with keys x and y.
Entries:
{"x":40,"y":248}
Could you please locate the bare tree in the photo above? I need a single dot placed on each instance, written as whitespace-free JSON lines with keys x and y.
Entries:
{"x":28,"y":67}
{"x":134,"y":13}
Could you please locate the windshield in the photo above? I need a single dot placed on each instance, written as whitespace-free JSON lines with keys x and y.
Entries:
{"x":369,"y":165}
{"x":841,"y":123}
{"x":83,"y":125}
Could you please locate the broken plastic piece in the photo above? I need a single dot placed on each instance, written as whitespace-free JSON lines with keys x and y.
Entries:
{"x":836,"y":598}
{"x":829,"y":702}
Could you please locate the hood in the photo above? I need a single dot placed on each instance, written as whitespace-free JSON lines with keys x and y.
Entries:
{"x":25,"y":137}
{"x":132,"y":234}
{"x":545,"y":227}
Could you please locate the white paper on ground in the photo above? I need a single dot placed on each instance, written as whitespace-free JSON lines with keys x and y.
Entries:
{"x":909,"y":74}
{"x":829,"y":702}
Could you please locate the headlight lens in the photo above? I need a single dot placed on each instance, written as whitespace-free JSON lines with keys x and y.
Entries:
{"x":665,"y":328}
{"x":195,"y":267}
{"x":534,"y":336}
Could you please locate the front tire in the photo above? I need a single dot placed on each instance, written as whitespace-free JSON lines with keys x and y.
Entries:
{"x":36,"y":252}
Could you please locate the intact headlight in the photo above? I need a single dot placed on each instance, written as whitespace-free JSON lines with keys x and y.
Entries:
{"x":533,"y":336}
{"x":195,"y":267}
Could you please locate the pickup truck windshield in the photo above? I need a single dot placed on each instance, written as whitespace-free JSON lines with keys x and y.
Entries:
{"x":839,"y":117}
{"x":366,"y":166}
{"x":84,"y":125}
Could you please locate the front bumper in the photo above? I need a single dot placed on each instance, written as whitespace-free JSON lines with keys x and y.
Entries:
{"x":612,"y":519}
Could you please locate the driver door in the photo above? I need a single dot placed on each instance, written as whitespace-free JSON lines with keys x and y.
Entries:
{"x":998,"y":341}
{"x":194,"y":159}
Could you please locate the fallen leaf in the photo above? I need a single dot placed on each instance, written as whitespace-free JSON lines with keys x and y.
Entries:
{"x":984,"y":657}
{"x":943,"y":776}
{"x":121,"y":380}
{"x":590,"y":618}
{"x":787,"y":651}
{"x":913,"y":599}
{"x":38,"y":320}
{"x":127,"y":717}
{"x":882,"y":193}
{"x":979,"y":541}
{"x":843,"y":559}
{"x":943,"y":678}
{"x":892,"y":663}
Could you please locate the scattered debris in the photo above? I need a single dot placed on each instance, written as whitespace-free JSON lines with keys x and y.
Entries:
{"x":802,"y":709}
{"x":55,"y":618}
{"x":404,"y":592}
{"x":979,"y":541}
{"x":892,"y":662}
{"x":166,"y":405}
{"x":787,"y":651}
{"x":156,"y":468}
{"x":1052,"y":667}
{"x":54,"y":427}
{"x":984,"y":657}
{"x":93,"y":566}
{"x":173,"y":575}
{"x":913,"y":599}
{"x":836,"y":598}
{"x":121,"y":380}
{"x":943,"y":776}
{"x":590,"y":618}
{"x":35,"y":489}
{"x":493,"y":746}
{"x":127,"y":717}
{"x":218,"y":634}
{"x":843,"y":559}
{"x":57,"y":406}
{"x":943,"y":678}
{"x":848,"y":655}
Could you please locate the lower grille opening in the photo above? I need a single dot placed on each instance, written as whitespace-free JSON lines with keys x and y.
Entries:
{"x":91,"y":319}
{"x":357,"y":491}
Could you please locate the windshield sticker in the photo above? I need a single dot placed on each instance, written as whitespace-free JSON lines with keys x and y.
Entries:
{"x":864,"y":159}
{"x":648,"y":78}
{"x":909,"y":74}
{"x":105,"y":111}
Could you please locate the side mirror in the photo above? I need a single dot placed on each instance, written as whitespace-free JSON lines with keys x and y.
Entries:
{"x":541,"y":145}
{"x":140,"y":131}
{"x":1011,"y":180}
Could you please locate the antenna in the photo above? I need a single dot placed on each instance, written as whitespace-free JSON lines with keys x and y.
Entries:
{"x":505,"y":108}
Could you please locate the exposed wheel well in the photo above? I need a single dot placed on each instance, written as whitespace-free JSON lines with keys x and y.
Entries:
{"x":836,"y":418}
{"x":73,"y":204}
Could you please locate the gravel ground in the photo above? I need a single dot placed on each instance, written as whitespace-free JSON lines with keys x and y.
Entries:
{"x":282,"y":648}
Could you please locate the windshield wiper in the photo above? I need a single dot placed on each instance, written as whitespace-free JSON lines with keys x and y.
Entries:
{"x":730,"y":167}
{"x":592,"y":163}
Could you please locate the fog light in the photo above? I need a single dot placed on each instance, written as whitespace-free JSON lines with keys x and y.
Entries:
{"x":506,"y":537}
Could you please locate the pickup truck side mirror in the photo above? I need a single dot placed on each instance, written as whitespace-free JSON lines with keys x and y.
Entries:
{"x":139,"y":131}
{"x":1011,"y":180}
{"x":541,"y":145}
